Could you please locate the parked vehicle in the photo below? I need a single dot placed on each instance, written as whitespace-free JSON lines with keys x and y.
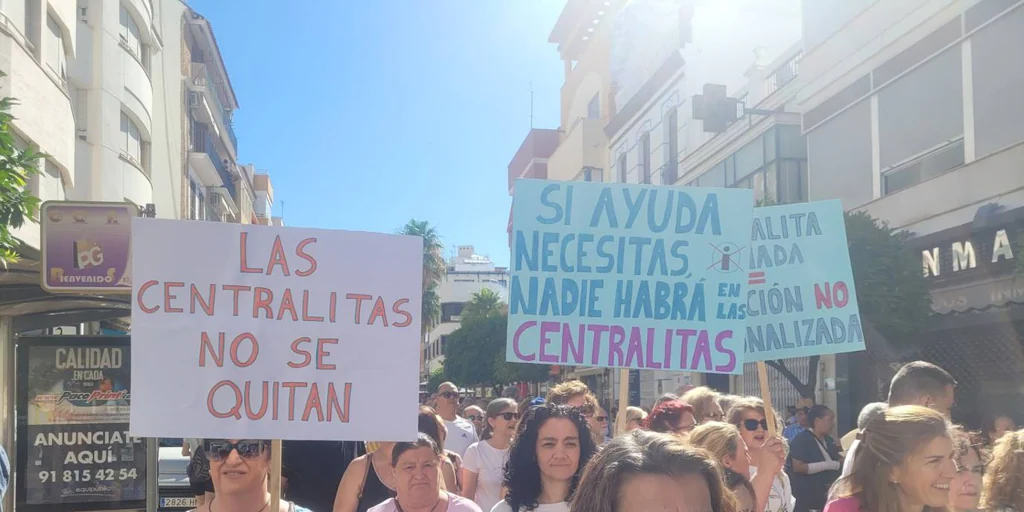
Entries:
{"x":174,"y":491}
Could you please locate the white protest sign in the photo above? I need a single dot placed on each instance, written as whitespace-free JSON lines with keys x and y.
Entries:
{"x":259,"y":332}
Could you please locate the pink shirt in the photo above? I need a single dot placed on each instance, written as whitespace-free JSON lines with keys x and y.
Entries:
{"x":455,"y":504}
{"x":843,"y":505}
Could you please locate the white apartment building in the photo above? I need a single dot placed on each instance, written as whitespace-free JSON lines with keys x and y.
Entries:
{"x":912,"y":113}
{"x":468,"y":274}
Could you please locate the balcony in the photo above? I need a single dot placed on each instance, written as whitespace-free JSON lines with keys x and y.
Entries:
{"x":211,"y":109}
{"x":207,"y":163}
{"x":584,"y":145}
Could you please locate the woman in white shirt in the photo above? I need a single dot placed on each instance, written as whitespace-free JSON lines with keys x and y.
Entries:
{"x":484,"y":461}
{"x":767,"y":456}
{"x":546,"y":460}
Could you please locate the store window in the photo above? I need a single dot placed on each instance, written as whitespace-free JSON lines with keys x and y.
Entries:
{"x":774,"y":166}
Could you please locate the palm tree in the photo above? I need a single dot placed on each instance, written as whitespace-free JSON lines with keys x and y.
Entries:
{"x":484,"y":302}
{"x":434,"y":266}
{"x":434,"y":270}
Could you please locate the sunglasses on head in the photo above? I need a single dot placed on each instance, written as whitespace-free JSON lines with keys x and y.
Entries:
{"x":509,"y":416}
{"x":752,"y":425}
{"x":220,"y":449}
{"x":449,"y":395}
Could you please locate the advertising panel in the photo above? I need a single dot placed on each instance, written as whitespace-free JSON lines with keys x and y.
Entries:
{"x":74,"y":450}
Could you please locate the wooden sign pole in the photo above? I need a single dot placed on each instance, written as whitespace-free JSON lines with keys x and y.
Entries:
{"x":766,"y":395}
{"x":275,"y":475}
{"x":620,"y":420}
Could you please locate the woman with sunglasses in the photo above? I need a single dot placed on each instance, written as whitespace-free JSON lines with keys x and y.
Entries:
{"x":704,"y":401}
{"x":240,"y":470}
{"x":484,"y":460}
{"x":546,"y":460}
{"x":635,"y":417}
{"x":771,"y":484}
{"x":415,"y":471}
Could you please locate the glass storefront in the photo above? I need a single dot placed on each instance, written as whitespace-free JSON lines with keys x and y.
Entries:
{"x":774,"y":166}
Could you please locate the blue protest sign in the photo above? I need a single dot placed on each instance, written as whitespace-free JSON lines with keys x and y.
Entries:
{"x":801,"y":300}
{"x":628,"y":276}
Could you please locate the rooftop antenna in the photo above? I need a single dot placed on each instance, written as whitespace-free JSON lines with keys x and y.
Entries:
{"x":282,"y":210}
{"x":531,"y":104}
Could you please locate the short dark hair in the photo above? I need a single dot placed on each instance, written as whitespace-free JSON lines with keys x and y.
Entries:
{"x":422,"y":441}
{"x":918,"y":379}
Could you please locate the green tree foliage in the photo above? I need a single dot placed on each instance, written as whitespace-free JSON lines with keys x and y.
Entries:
{"x":475,"y":352}
{"x":434,"y":270}
{"x":437,"y":377}
{"x":17,"y":204}
{"x":892,"y":294}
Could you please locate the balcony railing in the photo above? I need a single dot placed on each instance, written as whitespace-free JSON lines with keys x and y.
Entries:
{"x":202,"y":142}
{"x":201,"y":78}
{"x":783,"y":74}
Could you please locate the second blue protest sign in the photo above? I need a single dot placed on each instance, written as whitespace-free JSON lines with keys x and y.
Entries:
{"x":801,"y":299}
{"x":629,"y":276}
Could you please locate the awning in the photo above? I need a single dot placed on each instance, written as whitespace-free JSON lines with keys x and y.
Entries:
{"x":979,"y":296}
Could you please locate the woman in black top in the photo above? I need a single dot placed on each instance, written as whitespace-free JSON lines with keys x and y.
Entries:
{"x":814,"y":460}
{"x":368,"y":481}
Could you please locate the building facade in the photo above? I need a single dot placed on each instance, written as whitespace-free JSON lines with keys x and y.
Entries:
{"x":131,"y":102}
{"x":468,"y":274}
{"x":911,"y":114}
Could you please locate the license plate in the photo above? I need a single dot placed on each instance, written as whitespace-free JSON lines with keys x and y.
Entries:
{"x":177,"y":502}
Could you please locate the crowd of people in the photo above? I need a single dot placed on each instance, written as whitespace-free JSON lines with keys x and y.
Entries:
{"x":700,"y":451}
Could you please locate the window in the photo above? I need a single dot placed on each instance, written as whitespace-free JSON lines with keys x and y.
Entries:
{"x":451,"y":311}
{"x":755,"y":167}
{"x":622,"y":167}
{"x":130,"y":34}
{"x":197,"y":200}
{"x":937,"y":162}
{"x":592,"y":174}
{"x":594,"y":107}
{"x":671,"y":172}
{"x":131,"y":140}
{"x":55,"y":59}
{"x":645,"y":156}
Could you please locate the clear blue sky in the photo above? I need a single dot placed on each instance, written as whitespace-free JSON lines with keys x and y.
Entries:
{"x":370,"y":113}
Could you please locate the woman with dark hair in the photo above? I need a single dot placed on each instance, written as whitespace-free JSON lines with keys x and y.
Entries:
{"x":643,"y":471}
{"x":671,"y":417}
{"x":970,"y":457}
{"x":432,"y":425}
{"x":484,"y":460}
{"x":418,"y":481}
{"x":240,"y":470}
{"x":814,"y":458}
{"x":546,"y":460}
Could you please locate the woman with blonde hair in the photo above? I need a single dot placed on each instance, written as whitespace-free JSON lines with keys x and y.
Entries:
{"x":649,"y":471}
{"x":635,"y":417}
{"x":1003,"y":488}
{"x":767,"y":455}
{"x":724,"y":442}
{"x":704,"y":401}
{"x":903,"y":464}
